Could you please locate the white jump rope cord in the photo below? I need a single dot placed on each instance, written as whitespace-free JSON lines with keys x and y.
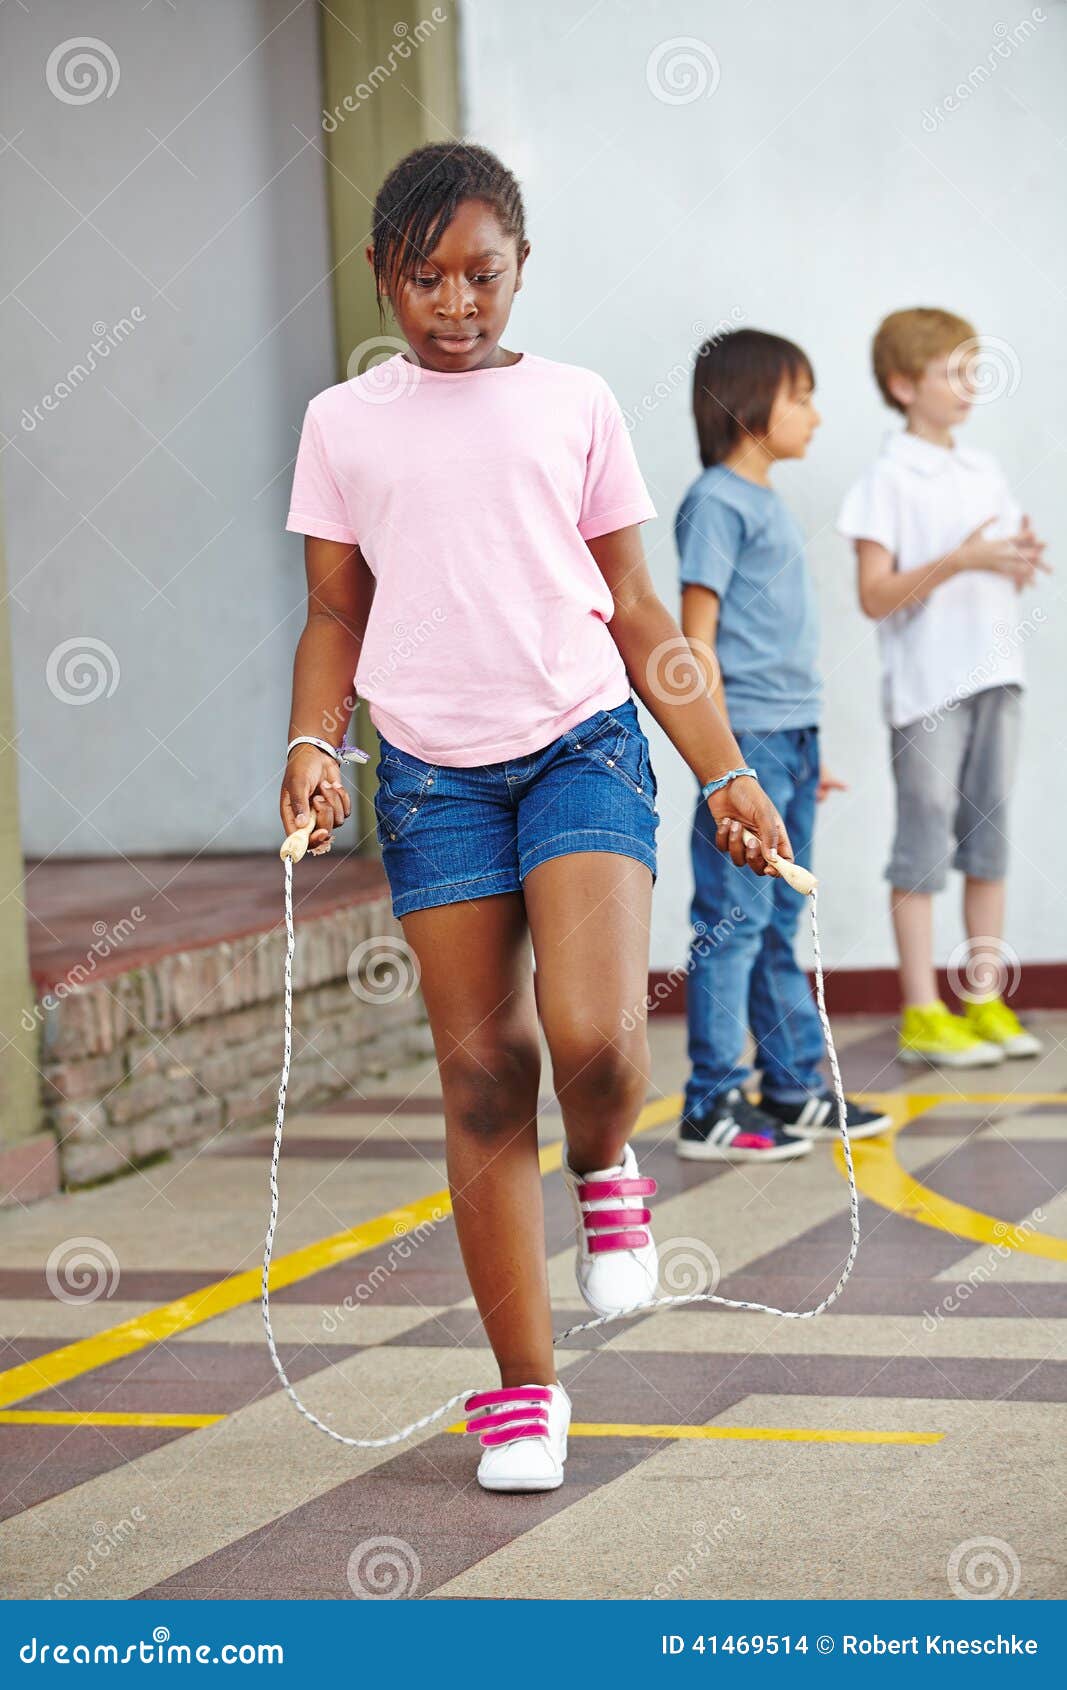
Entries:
{"x":586,"y":1325}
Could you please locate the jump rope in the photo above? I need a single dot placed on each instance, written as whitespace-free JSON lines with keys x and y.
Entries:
{"x":802,"y":881}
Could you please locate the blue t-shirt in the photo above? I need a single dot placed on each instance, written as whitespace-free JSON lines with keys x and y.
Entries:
{"x":740,"y":540}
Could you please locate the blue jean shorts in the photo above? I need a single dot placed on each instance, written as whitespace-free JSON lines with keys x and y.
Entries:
{"x":450,"y":834}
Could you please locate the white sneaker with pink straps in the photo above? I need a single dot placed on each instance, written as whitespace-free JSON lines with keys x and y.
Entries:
{"x":523,"y":1429}
{"x":616,"y":1263}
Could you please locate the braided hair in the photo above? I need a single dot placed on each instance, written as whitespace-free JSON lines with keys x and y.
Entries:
{"x":419,"y":198}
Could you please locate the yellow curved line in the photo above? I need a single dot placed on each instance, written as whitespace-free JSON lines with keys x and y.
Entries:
{"x":881,"y":1177}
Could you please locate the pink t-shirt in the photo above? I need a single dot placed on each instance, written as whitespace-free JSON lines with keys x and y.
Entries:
{"x":471,"y":495}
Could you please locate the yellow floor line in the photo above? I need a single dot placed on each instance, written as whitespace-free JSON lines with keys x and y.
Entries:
{"x":762,"y":1434}
{"x":44,"y":1372}
{"x":102,"y":1417}
{"x":881,"y":1177}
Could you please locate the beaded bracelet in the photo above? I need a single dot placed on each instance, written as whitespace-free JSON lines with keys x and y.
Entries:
{"x":724,"y":780}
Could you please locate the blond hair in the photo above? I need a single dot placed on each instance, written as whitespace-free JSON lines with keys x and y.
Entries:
{"x":909,"y":340}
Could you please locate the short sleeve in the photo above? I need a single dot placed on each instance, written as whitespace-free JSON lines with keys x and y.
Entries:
{"x":317,"y":504}
{"x":614,"y":495}
{"x":709,"y":534}
{"x":870,"y":511}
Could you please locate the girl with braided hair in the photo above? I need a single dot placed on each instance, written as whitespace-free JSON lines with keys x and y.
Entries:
{"x":472,"y":550}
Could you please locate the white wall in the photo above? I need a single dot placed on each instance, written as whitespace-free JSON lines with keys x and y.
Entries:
{"x":807,"y":194}
{"x":146,"y":510}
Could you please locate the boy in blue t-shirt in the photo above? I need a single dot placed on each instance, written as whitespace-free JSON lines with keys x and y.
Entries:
{"x":749,"y":614}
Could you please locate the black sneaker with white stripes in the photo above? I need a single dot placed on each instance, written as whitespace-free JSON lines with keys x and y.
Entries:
{"x":819,"y":1117}
{"x":733,"y":1130}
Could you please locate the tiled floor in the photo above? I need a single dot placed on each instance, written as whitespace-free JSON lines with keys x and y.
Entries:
{"x":716,"y":1454}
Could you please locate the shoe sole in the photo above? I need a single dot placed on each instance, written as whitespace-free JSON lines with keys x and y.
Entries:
{"x":818,"y":1134}
{"x":1015,"y":1049}
{"x":712,"y":1152}
{"x":922,"y":1059}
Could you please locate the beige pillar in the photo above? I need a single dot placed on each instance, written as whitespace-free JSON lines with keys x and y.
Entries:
{"x":20,"y":1085}
{"x":397,"y":65}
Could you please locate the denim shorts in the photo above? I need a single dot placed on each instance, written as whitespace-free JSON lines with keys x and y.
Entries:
{"x":449,"y":834}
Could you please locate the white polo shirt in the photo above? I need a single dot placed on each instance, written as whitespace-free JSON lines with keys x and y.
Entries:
{"x":920,"y":501}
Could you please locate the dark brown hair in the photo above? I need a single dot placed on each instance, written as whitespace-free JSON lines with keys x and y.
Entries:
{"x":419,"y":198}
{"x":735,"y":384}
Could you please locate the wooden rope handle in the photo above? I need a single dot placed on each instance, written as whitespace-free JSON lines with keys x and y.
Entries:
{"x":296,"y":844}
{"x":800,"y":879}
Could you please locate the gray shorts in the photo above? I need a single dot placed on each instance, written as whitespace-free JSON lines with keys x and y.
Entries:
{"x":953,"y":774}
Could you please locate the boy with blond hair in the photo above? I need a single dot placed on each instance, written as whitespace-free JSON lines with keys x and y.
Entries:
{"x":943,"y":553}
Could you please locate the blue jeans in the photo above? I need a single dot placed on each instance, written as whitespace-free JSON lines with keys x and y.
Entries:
{"x":743,"y":974}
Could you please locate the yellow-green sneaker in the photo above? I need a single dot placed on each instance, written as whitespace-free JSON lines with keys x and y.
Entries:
{"x":930,"y":1033}
{"x":994,"y":1022}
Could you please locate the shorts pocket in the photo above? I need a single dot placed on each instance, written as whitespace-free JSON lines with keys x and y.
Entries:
{"x":621,"y":749}
{"x":402,"y":786}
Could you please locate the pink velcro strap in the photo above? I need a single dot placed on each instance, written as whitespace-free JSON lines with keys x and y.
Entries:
{"x":617,"y":1240}
{"x":589,"y":1190}
{"x":489,"y":1421}
{"x":509,"y":1394}
{"x":534,"y":1429}
{"x":615,"y":1217}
